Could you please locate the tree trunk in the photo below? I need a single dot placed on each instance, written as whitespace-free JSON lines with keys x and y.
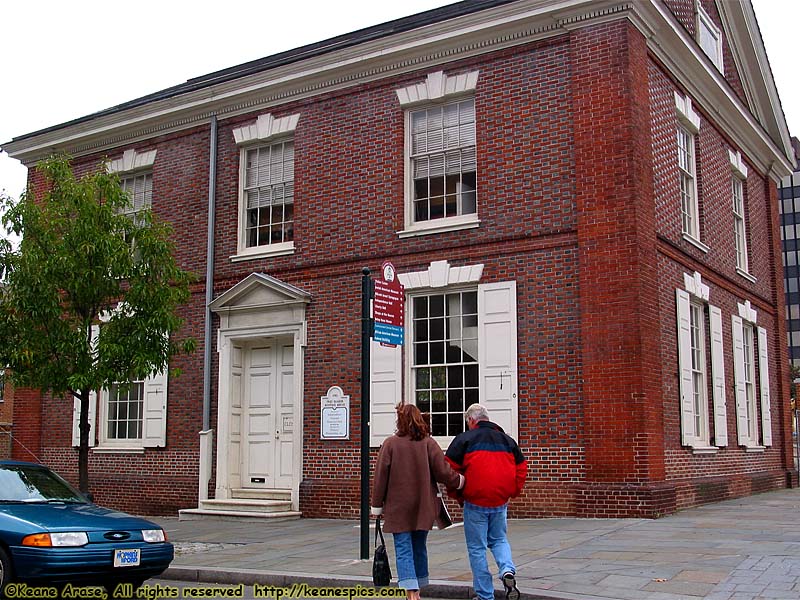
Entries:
{"x":83,"y":446}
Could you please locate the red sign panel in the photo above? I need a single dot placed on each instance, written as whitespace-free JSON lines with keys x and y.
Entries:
{"x":388,"y":304}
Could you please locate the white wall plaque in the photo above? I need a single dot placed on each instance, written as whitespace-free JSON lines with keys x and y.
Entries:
{"x":335,"y":420}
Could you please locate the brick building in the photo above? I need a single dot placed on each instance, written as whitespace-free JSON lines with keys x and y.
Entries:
{"x":580,"y":201}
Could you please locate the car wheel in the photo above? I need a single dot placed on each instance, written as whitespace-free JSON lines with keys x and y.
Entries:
{"x":6,"y":572}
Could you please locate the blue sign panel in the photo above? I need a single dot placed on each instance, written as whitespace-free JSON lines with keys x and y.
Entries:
{"x":388,"y":334}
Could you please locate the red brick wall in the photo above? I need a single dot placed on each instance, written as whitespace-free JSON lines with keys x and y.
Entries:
{"x":617,"y":254}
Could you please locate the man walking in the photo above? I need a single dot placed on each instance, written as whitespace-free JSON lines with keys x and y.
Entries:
{"x":495,"y":470}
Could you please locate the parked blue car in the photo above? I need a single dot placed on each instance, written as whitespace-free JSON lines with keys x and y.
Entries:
{"x":51,"y":535}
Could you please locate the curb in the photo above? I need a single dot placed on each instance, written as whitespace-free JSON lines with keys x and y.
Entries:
{"x":436,"y":589}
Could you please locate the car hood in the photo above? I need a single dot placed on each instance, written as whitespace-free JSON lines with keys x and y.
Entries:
{"x":75,"y":517}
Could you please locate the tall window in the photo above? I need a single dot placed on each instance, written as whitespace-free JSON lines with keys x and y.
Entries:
{"x":269,"y":194}
{"x":688,"y":183}
{"x":751,"y":376}
{"x":125,"y":411}
{"x":699,"y":378}
{"x":739,"y":232}
{"x":139,"y":188}
{"x":443,"y":160}
{"x":738,"y":178}
{"x":751,"y":429}
{"x":445,"y":358}
{"x":2,"y":385}
{"x":701,"y":364}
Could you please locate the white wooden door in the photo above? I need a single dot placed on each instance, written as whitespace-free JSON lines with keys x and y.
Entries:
{"x":267,"y":410}
{"x":284,"y":423}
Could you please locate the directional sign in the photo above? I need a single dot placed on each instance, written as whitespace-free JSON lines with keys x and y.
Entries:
{"x":388,"y":308}
{"x":388,"y":334}
{"x":388,"y":305}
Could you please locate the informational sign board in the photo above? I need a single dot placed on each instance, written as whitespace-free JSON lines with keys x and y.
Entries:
{"x":335,"y":421}
{"x":388,"y":308}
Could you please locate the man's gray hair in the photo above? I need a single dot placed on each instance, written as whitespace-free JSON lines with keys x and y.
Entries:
{"x":476,"y":412}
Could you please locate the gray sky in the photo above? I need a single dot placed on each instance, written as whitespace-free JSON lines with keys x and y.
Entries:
{"x":54,"y":49}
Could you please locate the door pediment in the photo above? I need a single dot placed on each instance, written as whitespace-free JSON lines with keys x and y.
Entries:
{"x":258,"y":292}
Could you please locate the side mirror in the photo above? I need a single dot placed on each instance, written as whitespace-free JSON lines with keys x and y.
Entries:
{"x":89,"y":497}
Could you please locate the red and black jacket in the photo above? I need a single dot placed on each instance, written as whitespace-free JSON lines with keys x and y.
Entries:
{"x":492,"y":463}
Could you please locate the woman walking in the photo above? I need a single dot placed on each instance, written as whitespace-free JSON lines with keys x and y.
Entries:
{"x":404,"y":491}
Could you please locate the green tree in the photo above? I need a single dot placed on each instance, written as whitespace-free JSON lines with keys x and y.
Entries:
{"x":81,"y":258}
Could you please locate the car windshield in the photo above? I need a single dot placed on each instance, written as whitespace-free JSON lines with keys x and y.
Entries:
{"x":29,"y":483}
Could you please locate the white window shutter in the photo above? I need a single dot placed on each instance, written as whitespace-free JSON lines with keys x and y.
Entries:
{"x":718,"y":378}
{"x":76,"y":416}
{"x":385,"y":391}
{"x":686,"y":382}
{"x":763,"y":369}
{"x":154,"y":420}
{"x":739,"y":376}
{"x":497,"y":353}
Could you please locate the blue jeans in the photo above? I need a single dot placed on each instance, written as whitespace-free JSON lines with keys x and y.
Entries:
{"x":411,"y":556}
{"x":486,"y":528}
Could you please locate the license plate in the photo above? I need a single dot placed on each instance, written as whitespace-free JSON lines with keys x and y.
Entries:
{"x":128,"y":557}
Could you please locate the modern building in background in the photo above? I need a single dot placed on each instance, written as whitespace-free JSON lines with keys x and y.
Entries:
{"x":790,"y":235}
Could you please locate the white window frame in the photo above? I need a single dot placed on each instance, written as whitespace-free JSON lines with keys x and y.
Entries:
{"x":133,"y":166}
{"x":754,"y":428}
{"x":438,"y":89}
{"x":129,"y":182}
{"x":687,"y":167}
{"x":749,"y":353}
{"x":153,"y":417}
{"x":413,"y":367}
{"x":697,"y":313}
{"x":695,"y":336}
{"x":738,"y":203}
{"x":275,"y":211}
{"x":104,"y":438}
{"x":709,"y":37}
{"x":267,"y":131}
{"x":739,"y":227}
{"x":686,"y":143}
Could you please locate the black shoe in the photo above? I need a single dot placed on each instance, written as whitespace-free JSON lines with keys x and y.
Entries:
{"x":510,"y":583}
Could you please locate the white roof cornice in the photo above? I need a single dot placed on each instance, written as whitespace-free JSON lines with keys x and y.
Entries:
{"x":433,"y":45}
{"x":761,"y":134}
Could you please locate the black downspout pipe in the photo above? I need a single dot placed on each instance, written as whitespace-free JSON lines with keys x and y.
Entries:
{"x":212,"y":185}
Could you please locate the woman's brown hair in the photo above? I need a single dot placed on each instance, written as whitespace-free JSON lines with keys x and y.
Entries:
{"x":411,"y":422}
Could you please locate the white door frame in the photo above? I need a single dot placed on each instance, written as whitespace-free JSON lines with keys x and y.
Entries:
{"x":225,"y":480}
{"x":258,"y":307}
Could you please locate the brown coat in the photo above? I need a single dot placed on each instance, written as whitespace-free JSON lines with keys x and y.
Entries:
{"x":403,"y":484}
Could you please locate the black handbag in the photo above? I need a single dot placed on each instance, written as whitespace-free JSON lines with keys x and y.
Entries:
{"x":381,"y":571}
{"x":443,"y":518}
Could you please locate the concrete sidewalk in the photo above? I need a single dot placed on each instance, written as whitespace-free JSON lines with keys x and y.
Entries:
{"x":740,"y":549}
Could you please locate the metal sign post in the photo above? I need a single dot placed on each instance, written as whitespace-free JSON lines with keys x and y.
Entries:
{"x":366,"y":335}
{"x":387,"y":327}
